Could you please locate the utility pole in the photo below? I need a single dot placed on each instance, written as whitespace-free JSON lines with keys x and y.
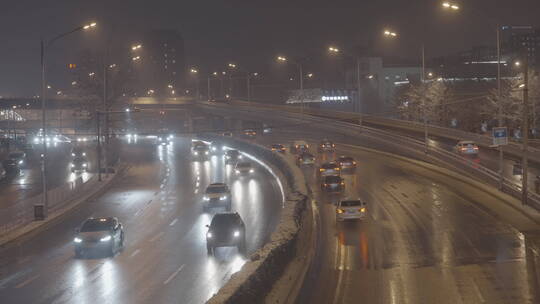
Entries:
{"x":359,"y":108}
{"x":98,"y":131}
{"x":248,"y":87}
{"x":525,"y":127}
{"x":500,"y":110}
{"x":45,"y":199}
{"x":208,"y":89}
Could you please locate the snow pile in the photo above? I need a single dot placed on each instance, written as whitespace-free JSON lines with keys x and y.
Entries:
{"x":253,"y":282}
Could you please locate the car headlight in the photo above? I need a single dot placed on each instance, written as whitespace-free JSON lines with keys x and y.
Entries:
{"x":251,"y":170}
{"x":209,"y":235}
{"x":206,"y":198}
{"x":20,"y":162}
{"x":206,"y":153}
{"x":213,"y":148}
{"x":105,"y":239}
{"x":363,"y":210}
{"x":228,"y":157}
{"x":237,"y":171}
{"x":72,"y":154}
{"x":236,"y":233}
{"x":340,"y":210}
{"x":196,"y":153}
{"x":84,"y":154}
{"x":85,"y":165}
{"x":223,"y":197}
{"x":77,"y":240}
{"x":240,"y":156}
{"x":72,"y":165}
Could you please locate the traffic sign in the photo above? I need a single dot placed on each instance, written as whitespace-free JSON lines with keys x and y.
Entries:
{"x":500,"y":136}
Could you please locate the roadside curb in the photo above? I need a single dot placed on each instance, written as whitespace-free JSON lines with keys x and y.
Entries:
{"x":508,"y":200}
{"x":34,"y":226}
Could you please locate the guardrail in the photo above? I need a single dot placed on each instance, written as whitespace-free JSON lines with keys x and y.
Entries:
{"x":414,"y":146}
{"x":22,"y":213}
{"x":513,"y":148}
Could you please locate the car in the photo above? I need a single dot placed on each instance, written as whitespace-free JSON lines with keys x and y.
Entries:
{"x":299,"y":146}
{"x":351,"y":209}
{"x":466,"y":147}
{"x":219,"y":99}
{"x":346,"y":162}
{"x":227,"y":134}
{"x":226,"y":229}
{"x":330,"y":168}
{"x":165,"y":140}
{"x":103,"y":234}
{"x":217,"y":147}
{"x":232,"y":156}
{"x":326,"y":146}
{"x":332,"y":183}
{"x":18,"y":156}
{"x":217,"y":195}
{"x":243,"y":168}
{"x":78,"y":152}
{"x":200,"y":149}
{"x":11,"y":167}
{"x":79,"y":164}
{"x":267,"y":129}
{"x":278,"y":148}
{"x":305,"y":159}
{"x":250,"y":133}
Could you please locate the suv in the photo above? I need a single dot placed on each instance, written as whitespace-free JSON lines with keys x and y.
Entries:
{"x":351,"y":210}
{"x":232,"y":156}
{"x":78,"y":152}
{"x":217,"y":195}
{"x":104,"y":234}
{"x":306,"y":159}
{"x":200,"y":149}
{"x":17,"y":156}
{"x":226,"y":229}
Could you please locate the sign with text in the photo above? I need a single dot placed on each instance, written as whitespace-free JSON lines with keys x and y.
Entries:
{"x":500,"y":136}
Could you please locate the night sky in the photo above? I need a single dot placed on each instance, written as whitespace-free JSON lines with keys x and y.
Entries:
{"x":249,"y":33}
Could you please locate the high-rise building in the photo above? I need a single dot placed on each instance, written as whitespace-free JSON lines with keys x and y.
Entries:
{"x":162,"y":63}
{"x":517,"y":39}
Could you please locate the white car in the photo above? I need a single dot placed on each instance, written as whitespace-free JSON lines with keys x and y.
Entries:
{"x":217,"y":195}
{"x":466,"y":147}
{"x":351,"y":210}
{"x":243,"y":168}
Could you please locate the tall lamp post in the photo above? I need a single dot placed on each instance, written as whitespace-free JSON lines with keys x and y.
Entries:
{"x":195,"y":73}
{"x":335,"y":50}
{"x":500,"y":121}
{"x":301,"y":76}
{"x":248,"y":79}
{"x":45,"y":45}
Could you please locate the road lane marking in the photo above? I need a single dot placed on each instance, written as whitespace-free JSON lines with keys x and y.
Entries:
{"x":137,"y":213}
{"x":28,"y":281}
{"x":157,"y":236}
{"x":150,"y":201}
{"x":162,"y":186}
{"x":135,"y":253}
{"x":173,"y":275}
{"x":478,"y":292}
{"x":173,"y":222}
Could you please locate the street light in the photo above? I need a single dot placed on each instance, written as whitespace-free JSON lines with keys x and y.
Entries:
{"x":44,"y":45}
{"x":333,"y":50}
{"x":136,"y":58}
{"x":195,"y":72}
{"x":136,"y":47}
{"x":248,"y":79}
{"x":450,"y":5}
{"x":301,"y":76}
{"x":390,"y":33}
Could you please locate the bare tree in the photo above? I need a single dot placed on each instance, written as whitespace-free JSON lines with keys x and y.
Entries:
{"x":427,"y":99}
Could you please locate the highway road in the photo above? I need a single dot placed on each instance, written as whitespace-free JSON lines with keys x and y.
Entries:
{"x":428,"y":239}
{"x":164,"y":260}
{"x":28,"y":182}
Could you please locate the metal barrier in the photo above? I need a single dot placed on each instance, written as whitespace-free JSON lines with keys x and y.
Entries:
{"x":438,"y":156}
{"x":22,"y":213}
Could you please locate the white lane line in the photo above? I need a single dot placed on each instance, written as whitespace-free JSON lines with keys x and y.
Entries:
{"x":478,"y":292}
{"x":137,"y":213}
{"x":173,"y":222}
{"x":150,"y":201}
{"x":173,"y":275}
{"x":28,"y":281}
{"x":162,"y":186}
{"x":135,"y":253}
{"x":157,"y":236}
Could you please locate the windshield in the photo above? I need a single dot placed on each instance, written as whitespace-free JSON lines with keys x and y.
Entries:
{"x":216,"y":189}
{"x":351,"y":203}
{"x":244,"y":165}
{"x":329,"y":166}
{"x":233,"y":153}
{"x":97,"y":225}
{"x":224,"y":220}
{"x":332,"y":179}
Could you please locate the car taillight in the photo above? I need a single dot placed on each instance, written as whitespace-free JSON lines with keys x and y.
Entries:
{"x":340,"y":210}
{"x":476,"y":148}
{"x":337,"y":169}
{"x":362,"y":210}
{"x":321,"y":170}
{"x":342,"y":183}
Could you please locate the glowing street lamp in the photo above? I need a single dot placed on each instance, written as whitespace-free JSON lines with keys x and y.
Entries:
{"x":450,"y":5}
{"x":136,"y":47}
{"x":389,"y":33}
{"x":137,"y":58}
{"x":333,"y":49}
{"x":281,"y":58}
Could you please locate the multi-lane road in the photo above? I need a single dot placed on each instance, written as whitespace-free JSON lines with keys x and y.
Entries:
{"x":159,"y":201}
